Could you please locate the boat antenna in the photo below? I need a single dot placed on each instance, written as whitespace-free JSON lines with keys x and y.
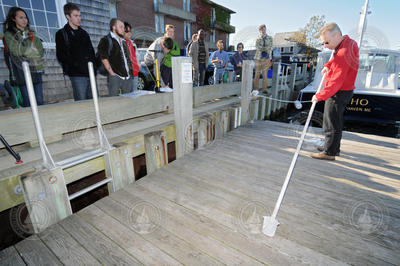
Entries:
{"x":363,"y":23}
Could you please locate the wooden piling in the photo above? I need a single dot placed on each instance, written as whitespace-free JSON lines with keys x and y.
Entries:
{"x":247,"y":77}
{"x":183,"y":103}
{"x":46,"y":197}
{"x":121,"y":165}
{"x":156,"y":150}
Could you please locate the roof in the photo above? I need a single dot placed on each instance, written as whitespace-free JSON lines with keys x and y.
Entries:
{"x":282,"y":39}
{"x":218,"y":5}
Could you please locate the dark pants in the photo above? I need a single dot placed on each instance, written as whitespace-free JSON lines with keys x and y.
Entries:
{"x":202,"y":72}
{"x":81,"y":88}
{"x":117,"y":85}
{"x":166,"y":75}
{"x":333,"y":121}
{"x":38,"y":88}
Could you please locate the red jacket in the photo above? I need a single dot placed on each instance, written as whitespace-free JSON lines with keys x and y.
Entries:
{"x":132,"y":55}
{"x":343,"y":68}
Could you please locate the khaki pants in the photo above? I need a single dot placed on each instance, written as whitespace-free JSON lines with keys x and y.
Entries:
{"x":261,"y":67}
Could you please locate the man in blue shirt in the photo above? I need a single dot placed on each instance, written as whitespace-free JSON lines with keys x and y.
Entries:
{"x":220,"y":60}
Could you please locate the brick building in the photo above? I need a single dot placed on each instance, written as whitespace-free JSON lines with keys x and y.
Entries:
{"x":149,"y":17}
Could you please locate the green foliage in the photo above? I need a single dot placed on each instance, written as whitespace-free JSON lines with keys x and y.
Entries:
{"x":312,"y":29}
{"x":221,"y":15}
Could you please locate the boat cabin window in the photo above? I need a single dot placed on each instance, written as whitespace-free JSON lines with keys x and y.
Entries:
{"x":377,"y":71}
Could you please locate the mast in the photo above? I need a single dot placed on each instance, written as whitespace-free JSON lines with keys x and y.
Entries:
{"x":363,"y":23}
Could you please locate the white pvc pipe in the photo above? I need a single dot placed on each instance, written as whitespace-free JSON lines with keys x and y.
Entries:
{"x":35,"y":114}
{"x":95,"y":101}
{"x":294,"y":160}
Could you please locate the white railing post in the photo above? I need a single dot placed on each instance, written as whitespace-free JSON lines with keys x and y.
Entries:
{"x":104,"y":144}
{"x":47,"y":159}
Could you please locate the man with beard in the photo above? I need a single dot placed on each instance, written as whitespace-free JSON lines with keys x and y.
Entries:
{"x":116,"y":60}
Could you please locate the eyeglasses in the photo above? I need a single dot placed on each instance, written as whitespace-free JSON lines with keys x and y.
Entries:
{"x":323,"y":43}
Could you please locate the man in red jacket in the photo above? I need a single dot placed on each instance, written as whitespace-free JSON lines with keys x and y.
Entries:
{"x":341,"y":73}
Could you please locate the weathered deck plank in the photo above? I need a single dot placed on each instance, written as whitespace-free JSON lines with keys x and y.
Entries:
{"x":34,"y":252}
{"x":178,"y":248}
{"x":210,"y":204}
{"x":105,"y":250}
{"x":10,"y":257}
{"x":66,"y":248}
{"x":132,"y":242}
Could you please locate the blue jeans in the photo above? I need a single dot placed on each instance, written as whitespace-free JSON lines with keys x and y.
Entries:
{"x":134,"y":83}
{"x":81,"y":88}
{"x":202,"y":72}
{"x":218,"y":75}
{"x":38,"y":88}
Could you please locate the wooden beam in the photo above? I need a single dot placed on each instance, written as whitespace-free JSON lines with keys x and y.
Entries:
{"x":247,"y":78}
{"x":11,"y":193}
{"x":275,"y":86}
{"x":183,"y":103}
{"x":156,"y":150}
{"x":58,"y":119}
{"x":262,"y":107}
{"x":121,"y":165}
{"x":204,"y":94}
{"x":87,"y":168}
{"x":46,"y":197}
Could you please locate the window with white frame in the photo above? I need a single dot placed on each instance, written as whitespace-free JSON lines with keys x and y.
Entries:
{"x":186,"y":5}
{"x":156,"y":4}
{"x":159,"y":23}
{"x":45,"y":16}
{"x":187,"y":31}
{"x":113,"y":8}
{"x":213,"y":16}
{"x":212,"y":37}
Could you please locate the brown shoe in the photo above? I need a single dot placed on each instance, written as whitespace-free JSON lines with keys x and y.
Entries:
{"x":321,"y":148}
{"x":322,"y":156}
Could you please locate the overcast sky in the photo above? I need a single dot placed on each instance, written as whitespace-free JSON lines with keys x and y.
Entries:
{"x":290,"y":15}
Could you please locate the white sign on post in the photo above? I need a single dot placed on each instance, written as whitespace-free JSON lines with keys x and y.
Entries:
{"x":187,"y":73}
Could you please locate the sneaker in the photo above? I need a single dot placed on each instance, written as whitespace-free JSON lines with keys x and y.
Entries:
{"x":322,"y":156}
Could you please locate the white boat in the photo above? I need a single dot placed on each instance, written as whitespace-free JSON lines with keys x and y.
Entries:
{"x":377,"y":94}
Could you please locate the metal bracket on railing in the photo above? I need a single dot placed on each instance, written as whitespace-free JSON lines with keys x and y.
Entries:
{"x":47,"y":159}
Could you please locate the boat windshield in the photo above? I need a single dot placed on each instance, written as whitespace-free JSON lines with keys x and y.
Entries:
{"x":378,"y":71}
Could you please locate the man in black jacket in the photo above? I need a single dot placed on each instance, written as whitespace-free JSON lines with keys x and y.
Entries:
{"x":74,"y":51}
{"x":116,"y":60}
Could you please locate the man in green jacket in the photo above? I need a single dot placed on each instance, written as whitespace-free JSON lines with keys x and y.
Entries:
{"x":166,"y":66}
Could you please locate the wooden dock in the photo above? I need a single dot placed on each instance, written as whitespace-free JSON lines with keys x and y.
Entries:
{"x":206,"y":208}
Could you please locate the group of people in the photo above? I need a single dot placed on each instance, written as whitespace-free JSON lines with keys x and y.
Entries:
{"x":199,"y":52}
{"x":117,"y":53}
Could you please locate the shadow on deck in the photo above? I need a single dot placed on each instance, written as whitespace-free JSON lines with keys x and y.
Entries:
{"x":206,"y":208}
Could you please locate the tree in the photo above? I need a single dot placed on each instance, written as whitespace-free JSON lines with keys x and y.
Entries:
{"x":312,"y":29}
{"x":308,"y":37}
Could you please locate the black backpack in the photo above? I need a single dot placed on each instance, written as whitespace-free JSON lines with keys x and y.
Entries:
{"x":100,"y":67}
